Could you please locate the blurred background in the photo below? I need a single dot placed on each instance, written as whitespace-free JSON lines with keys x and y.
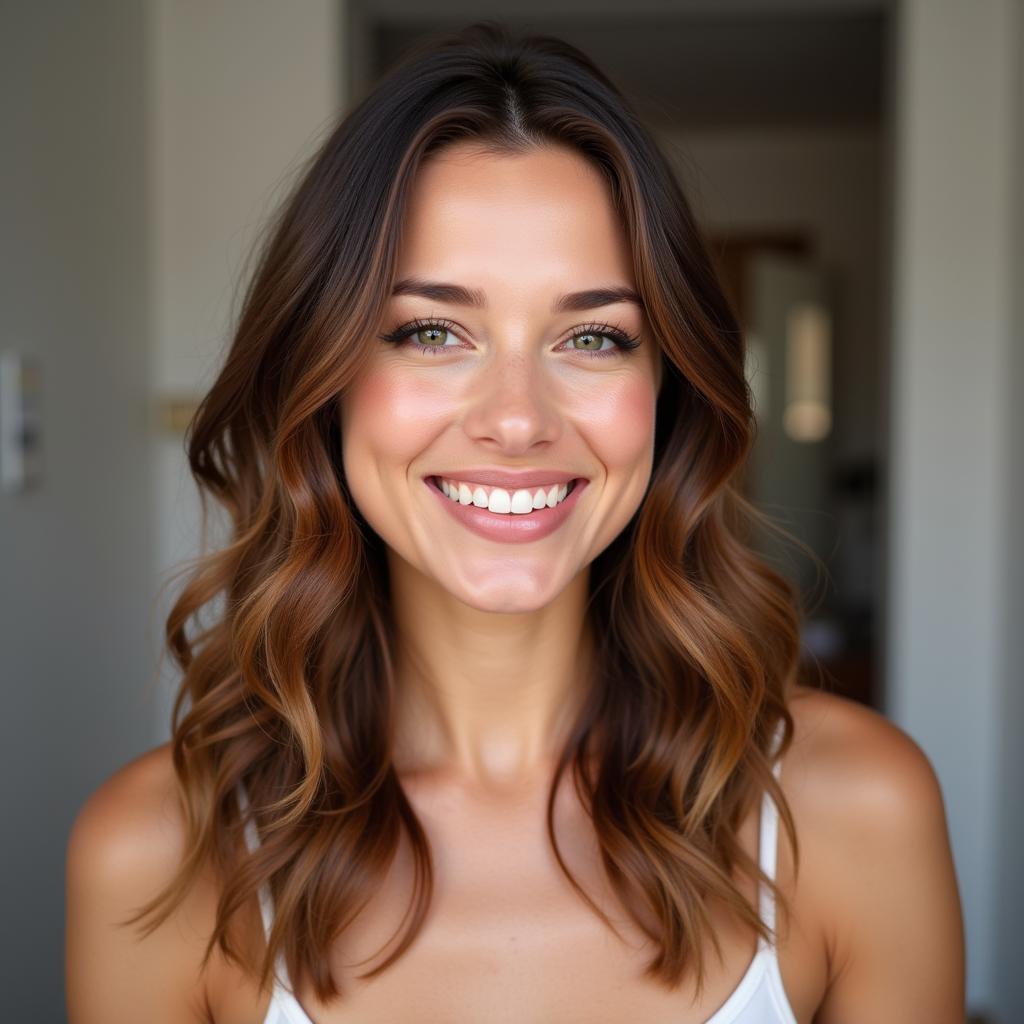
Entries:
{"x":857,"y":167}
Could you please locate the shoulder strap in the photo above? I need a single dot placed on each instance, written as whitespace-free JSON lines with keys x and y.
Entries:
{"x":282,"y":985}
{"x":252,"y":841}
{"x":768,"y":839}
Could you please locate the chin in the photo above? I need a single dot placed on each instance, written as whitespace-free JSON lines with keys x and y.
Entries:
{"x":506,"y":596}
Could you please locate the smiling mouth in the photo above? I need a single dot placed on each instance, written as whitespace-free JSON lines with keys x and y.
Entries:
{"x":507,"y":504}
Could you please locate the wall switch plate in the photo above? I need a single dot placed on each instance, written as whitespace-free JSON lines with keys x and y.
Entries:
{"x":20,"y":421}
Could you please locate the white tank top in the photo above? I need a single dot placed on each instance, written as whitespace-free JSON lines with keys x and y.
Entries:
{"x":759,"y":998}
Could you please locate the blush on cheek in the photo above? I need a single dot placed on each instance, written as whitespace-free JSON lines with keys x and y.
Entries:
{"x":619,"y":423}
{"x":390,"y":418}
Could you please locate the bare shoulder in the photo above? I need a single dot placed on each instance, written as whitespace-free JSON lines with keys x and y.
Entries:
{"x":875,"y":854}
{"x":124,"y":847}
{"x":854,"y":763}
{"x":132,"y":821}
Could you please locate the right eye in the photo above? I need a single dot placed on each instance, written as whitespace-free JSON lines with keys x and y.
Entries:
{"x":435,"y":331}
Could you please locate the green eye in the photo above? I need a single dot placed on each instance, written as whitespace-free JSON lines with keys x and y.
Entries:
{"x":436,"y":331}
{"x":595,"y":334}
{"x":599,"y":338}
{"x":433,"y":332}
{"x":431,"y":335}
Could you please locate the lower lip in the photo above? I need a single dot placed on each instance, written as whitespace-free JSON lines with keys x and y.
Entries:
{"x":511,"y":527}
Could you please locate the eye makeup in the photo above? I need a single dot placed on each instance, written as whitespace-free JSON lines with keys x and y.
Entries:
{"x":623,"y":341}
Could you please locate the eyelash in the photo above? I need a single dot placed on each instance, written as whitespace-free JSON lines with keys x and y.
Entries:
{"x":625,"y":342}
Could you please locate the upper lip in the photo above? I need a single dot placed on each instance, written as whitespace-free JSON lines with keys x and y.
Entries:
{"x":509,"y":478}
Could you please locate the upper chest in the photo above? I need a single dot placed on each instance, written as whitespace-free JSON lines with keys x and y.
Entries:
{"x":507,"y":936}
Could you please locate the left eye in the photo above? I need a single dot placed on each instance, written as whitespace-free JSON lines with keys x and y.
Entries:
{"x":439,"y":330}
{"x":593,"y":336}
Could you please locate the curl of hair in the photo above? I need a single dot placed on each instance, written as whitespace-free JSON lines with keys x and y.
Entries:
{"x":289,"y":693}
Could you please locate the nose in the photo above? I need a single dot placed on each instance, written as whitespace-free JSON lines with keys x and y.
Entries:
{"x":514,"y":407}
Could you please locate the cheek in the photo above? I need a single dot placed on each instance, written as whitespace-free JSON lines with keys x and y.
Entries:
{"x":387,"y":418}
{"x":619,"y":423}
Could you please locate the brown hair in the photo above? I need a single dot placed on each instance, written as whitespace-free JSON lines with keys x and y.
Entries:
{"x":289,"y":692}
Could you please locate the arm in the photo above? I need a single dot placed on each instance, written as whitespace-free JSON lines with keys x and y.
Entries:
{"x":124,"y":846}
{"x":895,"y":929}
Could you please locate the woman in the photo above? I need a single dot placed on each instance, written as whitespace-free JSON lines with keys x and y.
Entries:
{"x":496,"y":717}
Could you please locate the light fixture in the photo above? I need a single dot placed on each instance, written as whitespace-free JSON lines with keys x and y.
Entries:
{"x":807,"y":416}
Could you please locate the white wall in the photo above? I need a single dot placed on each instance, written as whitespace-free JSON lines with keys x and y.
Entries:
{"x":76,"y":553}
{"x":242,"y":92}
{"x":951,"y":444}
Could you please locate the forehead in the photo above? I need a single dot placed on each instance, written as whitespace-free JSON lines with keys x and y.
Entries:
{"x":536,"y":219}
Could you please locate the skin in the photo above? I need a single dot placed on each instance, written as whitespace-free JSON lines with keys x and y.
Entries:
{"x":493,"y":634}
{"x":494,"y":652}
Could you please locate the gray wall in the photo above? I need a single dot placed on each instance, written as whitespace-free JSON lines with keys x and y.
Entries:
{"x":1009,"y":979}
{"x":954,"y":450}
{"x":242,"y":93}
{"x":75,"y":554}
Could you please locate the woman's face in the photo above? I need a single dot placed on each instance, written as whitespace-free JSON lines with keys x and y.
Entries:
{"x":520,"y":381}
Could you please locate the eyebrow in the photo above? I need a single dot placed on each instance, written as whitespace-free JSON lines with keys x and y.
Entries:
{"x":573,"y":302}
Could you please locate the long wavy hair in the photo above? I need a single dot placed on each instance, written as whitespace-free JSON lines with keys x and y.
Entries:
{"x":289,"y":693}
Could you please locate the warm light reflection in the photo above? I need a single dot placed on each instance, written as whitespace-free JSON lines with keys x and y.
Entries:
{"x":807,"y":416}
{"x":756,"y":369}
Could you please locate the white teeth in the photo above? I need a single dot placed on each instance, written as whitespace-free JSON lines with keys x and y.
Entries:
{"x":522,"y":502}
{"x":501,"y":501}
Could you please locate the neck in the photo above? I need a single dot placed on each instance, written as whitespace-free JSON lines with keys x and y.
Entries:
{"x":487,"y":698}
